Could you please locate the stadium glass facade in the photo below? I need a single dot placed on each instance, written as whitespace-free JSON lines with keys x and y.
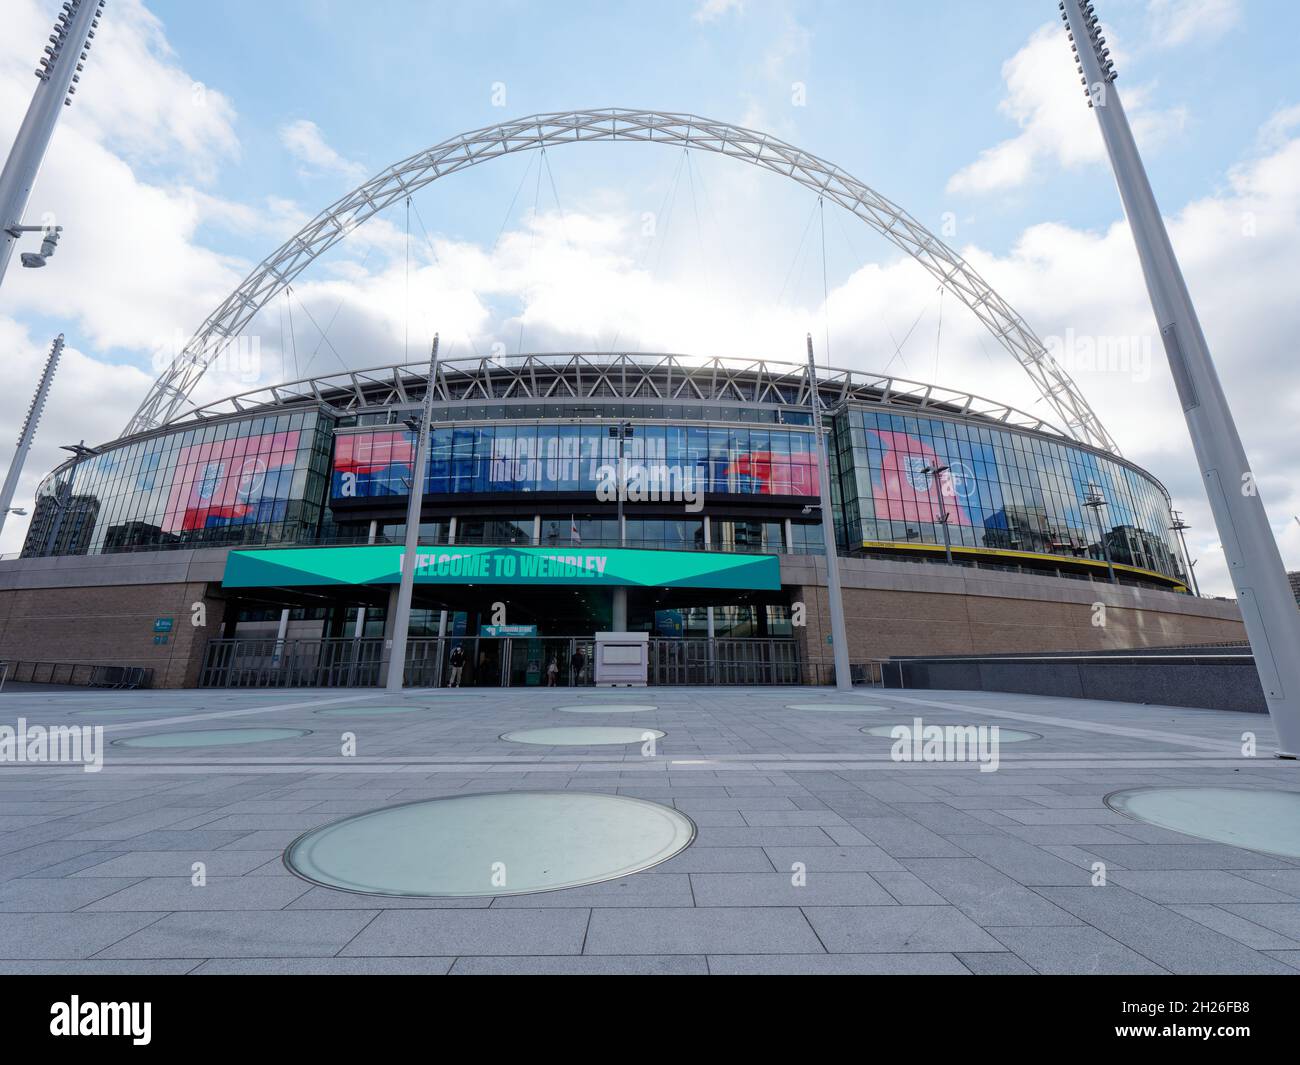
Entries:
{"x":529,"y":473}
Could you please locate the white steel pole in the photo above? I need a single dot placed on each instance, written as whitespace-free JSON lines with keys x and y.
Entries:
{"x":28,"y":432}
{"x":839,"y":635}
{"x":402,"y":621}
{"x":58,"y":73}
{"x":1254,"y":562}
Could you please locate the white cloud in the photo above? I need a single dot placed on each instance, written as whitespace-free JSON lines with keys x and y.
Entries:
{"x":1046,"y":100}
{"x":713,"y":10}
{"x":1176,"y":22}
{"x":307,"y":144}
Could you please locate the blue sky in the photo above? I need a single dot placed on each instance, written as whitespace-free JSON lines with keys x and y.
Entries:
{"x":900,"y":94}
{"x":206,"y":133}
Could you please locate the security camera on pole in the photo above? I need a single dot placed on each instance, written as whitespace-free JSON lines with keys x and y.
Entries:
{"x":58,"y":71}
{"x":1254,"y":562}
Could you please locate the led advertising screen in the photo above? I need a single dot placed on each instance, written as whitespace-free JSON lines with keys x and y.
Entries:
{"x":902,"y":490}
{"x":528,"y":458}
{"x":243,"y":481}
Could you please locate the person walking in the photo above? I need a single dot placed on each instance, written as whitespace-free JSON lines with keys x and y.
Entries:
{"x":457,"y":662}
{"x":552,"y":673}
{"x":576,"y":665}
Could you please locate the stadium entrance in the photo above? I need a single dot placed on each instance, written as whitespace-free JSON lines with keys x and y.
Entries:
{"x":498,"y":616}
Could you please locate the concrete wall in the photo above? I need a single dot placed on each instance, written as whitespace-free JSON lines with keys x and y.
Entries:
{"x":1215,"y":682}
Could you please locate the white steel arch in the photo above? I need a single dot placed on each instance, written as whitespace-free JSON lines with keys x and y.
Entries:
{"x":169,"y":393}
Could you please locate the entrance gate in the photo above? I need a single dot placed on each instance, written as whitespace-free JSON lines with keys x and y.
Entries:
{"x":490,"y":662}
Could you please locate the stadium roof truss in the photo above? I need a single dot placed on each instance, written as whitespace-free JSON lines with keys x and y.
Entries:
{"x":169,"y":396}
{"x":587,"y":377}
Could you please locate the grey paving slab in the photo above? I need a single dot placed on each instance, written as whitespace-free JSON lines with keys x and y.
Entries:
{"x":986,"y":895}
{"x":1158,"y":933}
{"x":324,"y":967}
{"x":779,"y":889}
{"x":720,"y":930}
{"x":282,"y":934}
{"x":583,"y":965}
{"x":897,"y":929}
{"x":1184,"y":856}
{"x":852,"y":859}
{"x":646,"y":889}
{"x":1077,"y":950}
{"x":901,"y":837}
{"x":908,"y":888}
{"x":1023,"y":862}
{"x":42,"y":936}
{"x":719,"y":860}
{"x":836,"y":965}
{"x":43,"y":895}
{"x":216,"y":893}
{"x":169,"y":967}
{"x":179,"y":863}
{"x":1194,"y":885}
{"x":990,"y":964}
{"x":418,"y":933}
{"x":1283,"y":918}
{"x":1239,"y":928}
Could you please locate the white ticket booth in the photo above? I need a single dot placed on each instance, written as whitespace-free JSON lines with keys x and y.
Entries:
{"x":622,"y":658}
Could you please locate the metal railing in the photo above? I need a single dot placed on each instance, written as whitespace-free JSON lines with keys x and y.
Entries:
{"x":489,"y":662}
{"x":76,"y":674}
{"x":724,"y":661}
{"x":863,"y":673}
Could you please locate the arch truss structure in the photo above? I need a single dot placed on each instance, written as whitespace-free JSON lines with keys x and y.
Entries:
{"x":168,"y":397}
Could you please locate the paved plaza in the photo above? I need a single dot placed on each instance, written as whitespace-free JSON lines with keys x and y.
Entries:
{"x":815,"y":852}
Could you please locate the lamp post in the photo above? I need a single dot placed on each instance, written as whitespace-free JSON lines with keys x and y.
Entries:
{"x":58,"y":74}
{"x":933,"y":473}
{"x":623,"y":431}
{"x":839,"y":633}
{"x":1254,"y":561}
{"x":402,"y":621}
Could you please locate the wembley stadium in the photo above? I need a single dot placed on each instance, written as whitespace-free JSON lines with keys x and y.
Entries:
{"x":256,"y":540}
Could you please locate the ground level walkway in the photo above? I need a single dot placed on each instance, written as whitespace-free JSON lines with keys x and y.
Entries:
{"x":814,"y":849}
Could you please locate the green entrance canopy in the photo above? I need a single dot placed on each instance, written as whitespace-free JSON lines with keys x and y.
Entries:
{"x":381,"y":564}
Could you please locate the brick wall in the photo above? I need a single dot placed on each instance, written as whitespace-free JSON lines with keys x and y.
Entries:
{"x":110,"y":625}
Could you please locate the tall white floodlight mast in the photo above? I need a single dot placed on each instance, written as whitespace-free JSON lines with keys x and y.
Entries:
{"x":28,"y":431}
{"x":1267,"y":606}
{"x":405,"y":590}
{"x":59,"y":71}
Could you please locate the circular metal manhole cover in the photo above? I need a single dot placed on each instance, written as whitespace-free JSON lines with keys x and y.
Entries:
{"x":841,"y":708}
{"x":501,"y":843}
{"x":1257,"y":819}
{"x":583,"y":735}
{"x":216,"y":737}
{"x":607,"y":708}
